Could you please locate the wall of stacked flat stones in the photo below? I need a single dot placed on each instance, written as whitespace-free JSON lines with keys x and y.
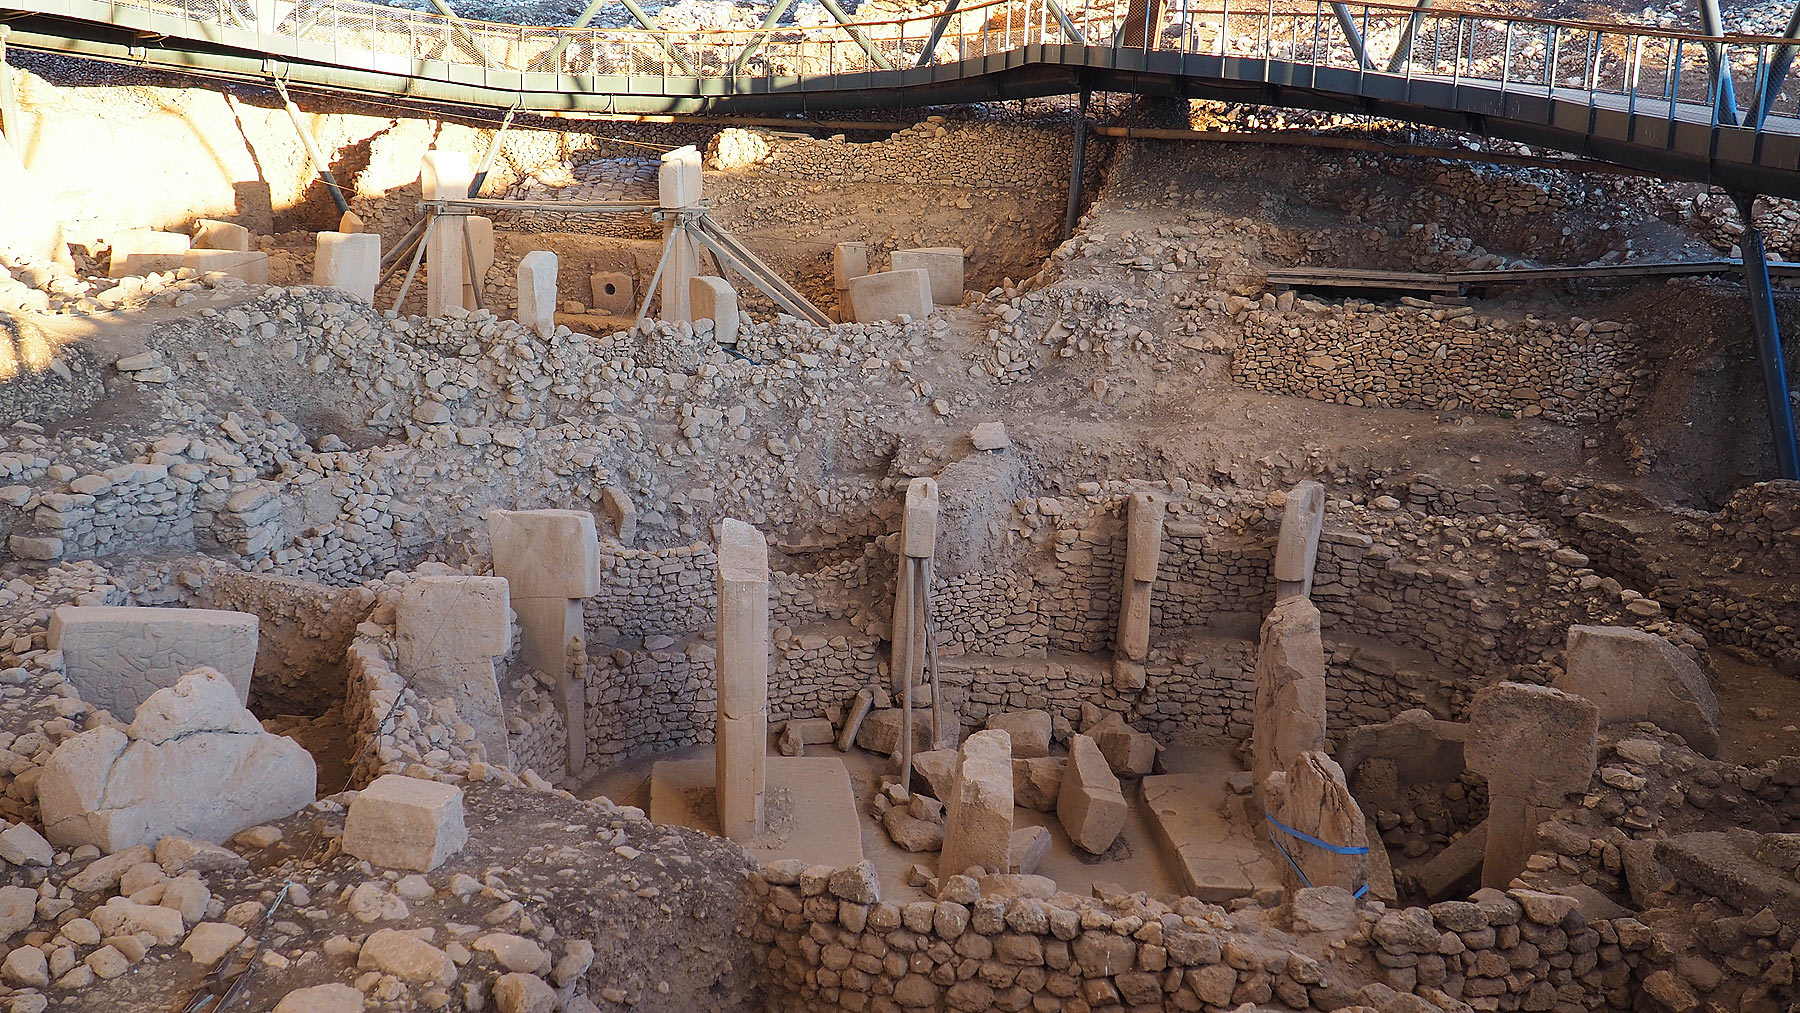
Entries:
{"x":1436,"y":358}
{"x":1758,"y":530}
{"x":829,"y":943}
{"x":538,"y":736}
{"x":393,"y":730}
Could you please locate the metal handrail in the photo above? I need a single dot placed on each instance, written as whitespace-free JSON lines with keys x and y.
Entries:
{"x":1640,"y":70}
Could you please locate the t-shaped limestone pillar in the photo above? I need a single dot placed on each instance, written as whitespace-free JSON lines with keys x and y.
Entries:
{"x":449,"y":631}
{"x":347,"y":261}
{"x":918,"y":540}
{"x":1289,"y":714}
{"x":551,"y":561}
{"x":445,"y":175}
{"x":678,"y":186}
{"x":1298,"y":546}
{"x":742,"y":739}
{"x":1534,"y":745}
{"x":537,"y":292}
{"x":1143,"y":551}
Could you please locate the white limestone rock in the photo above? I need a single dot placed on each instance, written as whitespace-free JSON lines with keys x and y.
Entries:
{"x":402,"y":822}
{"x":195,"y":764}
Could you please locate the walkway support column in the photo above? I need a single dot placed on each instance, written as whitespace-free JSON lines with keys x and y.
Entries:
{"x":1768,"y":341}
{"x":1077,"y":166}
{"x":1776,"y":74}
{"x":313,"y":152}
{"x":1352,"y":34}
{"x":1403,"y":52}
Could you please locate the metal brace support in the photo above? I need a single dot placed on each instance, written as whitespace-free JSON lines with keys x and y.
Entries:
{"x":856,"y":34}
{"x":937,"y":32}
{"x":1352,"y":34}
{"x":1725,"y":103}
{"x":326,"y":176}
{"x":1776,"y":74}
{"x":1403,"y":52}
{"x":487,"y":160}
{"x":755,"y":42}
{"x":1768,"y":341}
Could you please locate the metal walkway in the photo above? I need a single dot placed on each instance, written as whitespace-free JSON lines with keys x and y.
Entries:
{"x":1643,"y":98}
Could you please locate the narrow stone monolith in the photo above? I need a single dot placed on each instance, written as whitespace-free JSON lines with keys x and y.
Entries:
{"x":1297,"y":547}
{"x":1535,"y":745}
{"x":743,"y":678}
{"x":978,"y":822}
{"x":1143,"y":551}
{"x":918,"y":540}
{"x":1289,"y":711}
{"x":1312,"y":798}
{"x":537,"y":292}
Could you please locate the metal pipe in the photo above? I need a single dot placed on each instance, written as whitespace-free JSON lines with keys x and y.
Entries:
{"x":1777,"y":73}
{"x":937,"y":32}
{"x":1725,"y":99}
{"x":312,"y":150}
{"x":1068,"y":26}
{"x":456,"y":25}
{"x":1403,"y":51}
{"x":1347,"y":22}
{"x":856,"y":34}
{"x":1077,"y":165}
{"x":487,"y":160}
{"x":1768,"y":342}
{"x":587,"y":15}
{"x":755,"y":42}
{"x":418,"y":258}
{"x":11,"y":127}
{"x":662,"y":40}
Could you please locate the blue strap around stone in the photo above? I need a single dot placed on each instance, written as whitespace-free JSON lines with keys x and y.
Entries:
{"x":1300,"y":835}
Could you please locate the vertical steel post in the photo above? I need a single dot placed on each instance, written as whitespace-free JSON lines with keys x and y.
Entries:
{"x":1077,"y":165}
{"x":1768,"y":341}
{"x":1725,"y":98}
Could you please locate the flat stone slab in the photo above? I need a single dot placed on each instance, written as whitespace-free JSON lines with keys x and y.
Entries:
{"x":809,"y":811}
{"x":1216,"y":858}
{"x":117,"y":655}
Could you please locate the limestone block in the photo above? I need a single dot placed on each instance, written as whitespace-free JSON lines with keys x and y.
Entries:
{"x":328,"y":998}
{"x":1297,"y":547}
{"x":1029,"y":730}
{"x":978,"y":823}
{"x":890,"y":295}
{"x":1027,"y":849}
{"x":942,"y":264}
{"x":935,"y":767}
{"x":143,"y":251}
{"x":1634,"y":675}
{"x":480,"y":254}
{"x":1038,"y":781}
{"x":403,"y":822}
{"x":880,"y":733}
{"x":990,"y":436}
{"x":848,"y":261}
{"x":678,"y":179}
{"x":919,"y":523}
{"x":619,"y":509}
{"x":1144,"y":535}
{"x":1424,"y":748}
{"x":1540,"y":739}
{"x":449,"y":630}
{"x":537,"y":292}
{"x":117,"y":655}
{"x":350,"y":262}
{"x":446,"y":260}
{"x":251,"y":268}
{"x":406,"y":957}
{"x":215,"y":235}
{"x":1312,"y":798}
{"x":1089,"y":803}
{"x":1127,"y":750}
{"x":445,"y":175}
{"x":1289,"y":711}
{"x":193,"y":763}
{"x":546,"y":553}
{"x":612,"y":293}
{"x":351,"y":223}
{"x":711,"y":298}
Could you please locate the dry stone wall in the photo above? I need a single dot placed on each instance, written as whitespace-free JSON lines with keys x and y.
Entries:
{"x":304,"y":632}
{"x":1435,"y":357}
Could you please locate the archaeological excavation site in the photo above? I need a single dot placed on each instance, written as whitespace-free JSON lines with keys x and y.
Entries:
{"x":760,"y":506}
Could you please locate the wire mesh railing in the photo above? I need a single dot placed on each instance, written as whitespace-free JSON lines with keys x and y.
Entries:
{"x":1721,"y":80}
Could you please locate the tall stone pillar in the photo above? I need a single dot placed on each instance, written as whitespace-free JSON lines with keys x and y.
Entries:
{"x":1535,"y":745}
{"x":1143,"y":551}
{"x":742,"y":739}
{"x":918,"y":540}
{"x":445,"y":175}
{"x":1289,"y":710}
{"x":1297,"y":548}
{"x":448,"y":631}
{"x":551,"y":561}
{"x":537,"y":293}
{"x":1310,"y":797}
{"x":678,"y":186}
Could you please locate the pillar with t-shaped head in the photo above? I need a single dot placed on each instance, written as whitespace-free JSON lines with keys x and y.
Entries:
{"x":1143,"y":551}
{"x":742,"y":740}
{"x":551,"y":561}
{"x":678,"y":186}
{"x":1535,"y":745}
{"x":1297,"y":548}
{"x":445,"y":175}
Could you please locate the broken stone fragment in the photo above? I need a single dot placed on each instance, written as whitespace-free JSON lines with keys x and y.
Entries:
{"x":1089,"y":803}
{"x":1038,"y":781}
{"x":1634,"y":675}
{"x":1128,"y":751}
{"x":406,"y":957}
{"x":331,"y":998}
{"x":990,"y":436}
{"x":979,"y":822}
{"x":1027,"y":849}
{"x":1029,"y":730}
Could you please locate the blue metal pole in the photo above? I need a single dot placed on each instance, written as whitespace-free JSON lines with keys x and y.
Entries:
{"x":1777,"y":73}
{"x":1768,"y":342}
{"x":1713,"y":24}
